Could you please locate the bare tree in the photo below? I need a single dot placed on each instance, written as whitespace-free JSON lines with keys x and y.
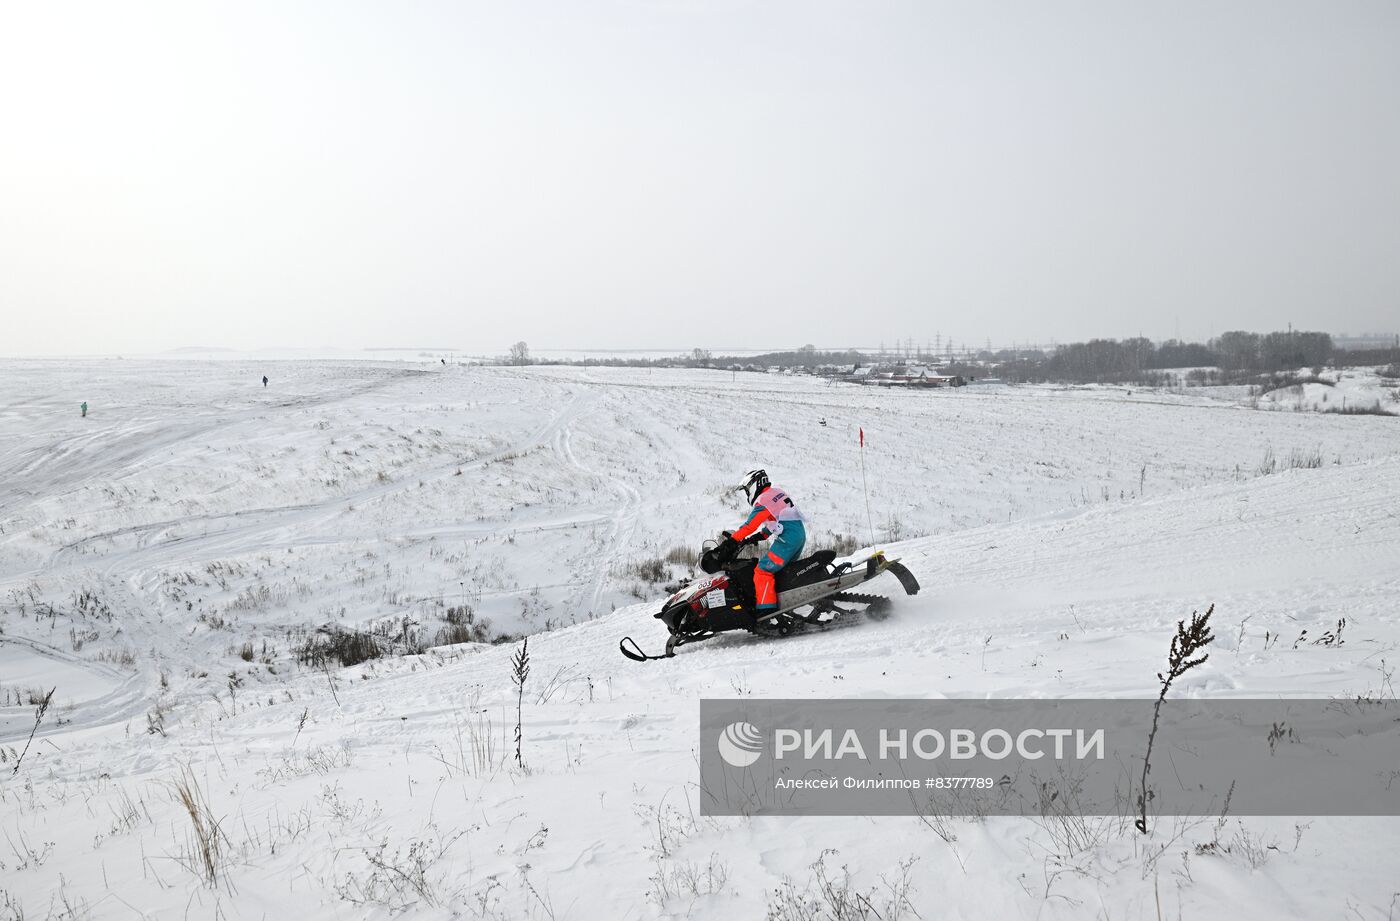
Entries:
{"x":520,"y":353}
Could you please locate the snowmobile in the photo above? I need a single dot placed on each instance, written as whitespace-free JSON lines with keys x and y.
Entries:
{"x":814,"y":590}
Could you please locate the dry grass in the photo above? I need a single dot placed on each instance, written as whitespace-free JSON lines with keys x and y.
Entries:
{"x":203,"y":853}
{"x":681,"y":555}
{"x":1374,"y":409}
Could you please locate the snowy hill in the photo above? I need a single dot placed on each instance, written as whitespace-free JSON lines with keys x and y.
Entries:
{"x":1059,"y":536}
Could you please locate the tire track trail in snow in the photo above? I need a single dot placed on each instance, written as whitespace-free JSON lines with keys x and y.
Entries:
{"x":125,"y":699}
{"x":301,"y":523}
{"x":131,"y":574}
{"x":105,"y":455}
{"x":622,"y":521}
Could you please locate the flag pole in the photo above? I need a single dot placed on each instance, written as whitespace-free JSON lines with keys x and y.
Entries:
{"x":870,"y":519}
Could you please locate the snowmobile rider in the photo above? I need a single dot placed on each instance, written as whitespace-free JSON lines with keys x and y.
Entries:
{"x":775,"y":515}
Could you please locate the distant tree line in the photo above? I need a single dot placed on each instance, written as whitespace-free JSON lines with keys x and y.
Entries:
{"x":808,"y":356}
{"x":1233,"y":357}
{"x":1237,"y":356}
{"x":1280,"y":351}
{"x":1111,"y":359}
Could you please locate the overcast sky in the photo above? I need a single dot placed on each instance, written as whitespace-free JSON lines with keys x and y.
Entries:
{"x":675,"y":174}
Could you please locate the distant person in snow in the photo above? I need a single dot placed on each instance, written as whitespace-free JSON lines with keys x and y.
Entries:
{"x":775,"y":516}
{"x":264,"y":380}
{"x":84,"y":409}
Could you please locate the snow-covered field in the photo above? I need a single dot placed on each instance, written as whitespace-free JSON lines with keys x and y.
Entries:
{"x":160,"y":560}
{"x":1338,"y":391}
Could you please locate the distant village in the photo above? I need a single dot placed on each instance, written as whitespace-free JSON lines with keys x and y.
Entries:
{"x":1236,"y":357}
{"x":883,"y":374}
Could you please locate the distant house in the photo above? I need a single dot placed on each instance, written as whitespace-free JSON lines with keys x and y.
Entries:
{"x":902,"y":375}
